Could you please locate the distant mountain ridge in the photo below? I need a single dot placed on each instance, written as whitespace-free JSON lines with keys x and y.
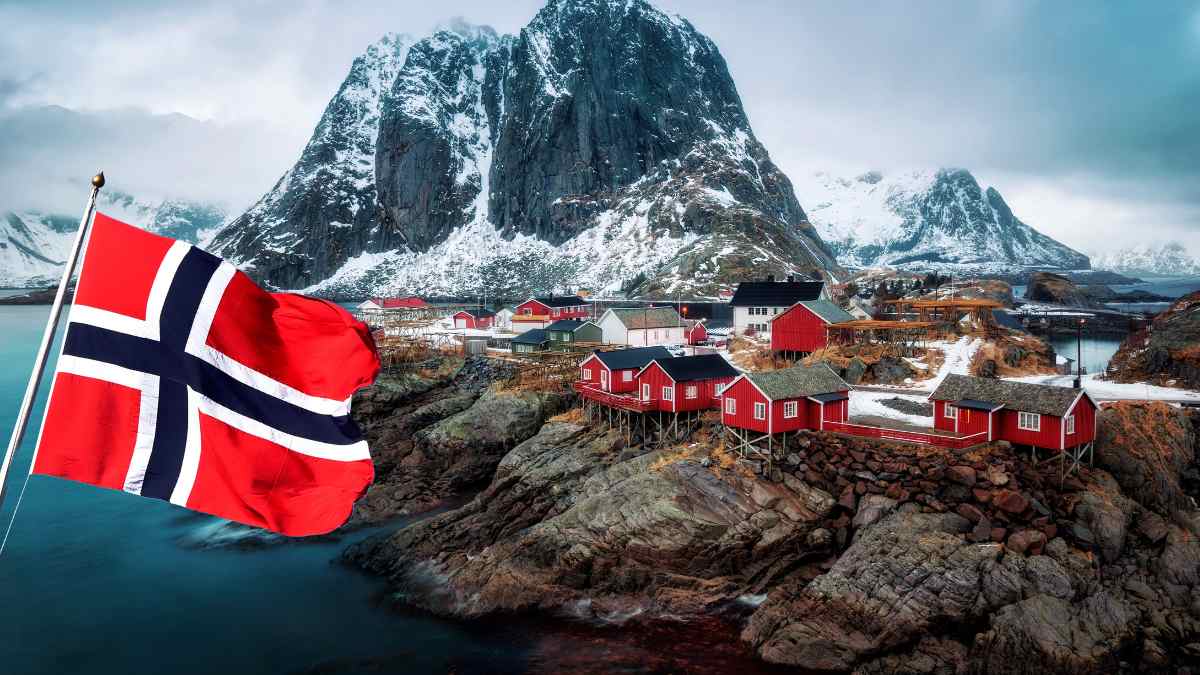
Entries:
{"x":928,"y":220}
{"x":34,"y":245}
{"x":1167,"y":259}
{"x":603,"y":146}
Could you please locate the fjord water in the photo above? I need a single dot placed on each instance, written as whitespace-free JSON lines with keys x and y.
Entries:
{"x":96,"y":581}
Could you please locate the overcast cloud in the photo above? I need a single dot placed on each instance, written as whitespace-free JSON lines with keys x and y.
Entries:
{"x":1084,"y":115}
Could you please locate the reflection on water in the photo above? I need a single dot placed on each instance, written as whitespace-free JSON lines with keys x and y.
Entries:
{"x":1096,"y":351}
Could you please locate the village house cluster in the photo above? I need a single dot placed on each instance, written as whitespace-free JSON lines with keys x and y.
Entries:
{"x":659,"y":367}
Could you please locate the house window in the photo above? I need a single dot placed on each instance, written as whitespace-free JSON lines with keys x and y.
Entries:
{"x":587,"y":373}
{"x":789,"y":409}
{"x":627,"y":376}
{"x":760,"y":411}
{"x":690,"y":392}
{"x":730,"y":406}
{"x":668,"y":393}
{"x":718,"y":388}
{"x":1029,"y":421}
{"x":645,"y":392}
{"x":1070,"y":424}
{"x":951,"y":412}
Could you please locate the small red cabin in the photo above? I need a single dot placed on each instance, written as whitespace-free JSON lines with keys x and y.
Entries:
{"x":778,"y":401}
{"x":695,"y":333}
{"x":801,"y":328}
{"x":685,"y":383}
{"x":1022,"y":413}
{"x":616,"y":371}
{"x":474,"y":318}
{"x":550,"y":309}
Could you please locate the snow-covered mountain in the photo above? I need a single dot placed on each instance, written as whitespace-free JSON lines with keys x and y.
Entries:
{"x":34,"y":245}
{"x":604,"y":146}
{"x":1170,"y":259}
{"x":927,"y":220}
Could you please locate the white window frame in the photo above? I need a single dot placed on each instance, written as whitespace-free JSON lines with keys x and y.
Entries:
{"x":668,"y":393}
{"x":951,"y":412}
{"x":587,"y":373}
{"x":730,"y":406}
{"x":1070,"y":422}
{"x":627,"y":376}
{"x":760,"y":410}
{"x":1023,"y":421}
{"x":718,"y":388}
{"x":690,"y":391}
{"x":645,"y":391}
{"x":790,"y":409}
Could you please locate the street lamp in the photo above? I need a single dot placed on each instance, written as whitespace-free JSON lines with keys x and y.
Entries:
{"x":1079,"y":353}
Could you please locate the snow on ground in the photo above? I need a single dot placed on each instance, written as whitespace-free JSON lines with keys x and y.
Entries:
{"x":1105,"y":390}
{"x":863,"y":403}
{"x":956,"y":360}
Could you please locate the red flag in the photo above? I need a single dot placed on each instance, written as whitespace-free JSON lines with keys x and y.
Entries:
{"x":182,"y":380}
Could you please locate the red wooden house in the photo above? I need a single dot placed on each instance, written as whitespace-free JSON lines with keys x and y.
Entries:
{"x":790,"y":399}
{"x":801,"y":328}
{"x":1037,"y":415}
{"x":541,"y":312}
{"x":684,"y":383}
{"x":407,"y":302}
{"x":474,"y":318}
{"x":695,"y":333}
{"x":616,"y":371}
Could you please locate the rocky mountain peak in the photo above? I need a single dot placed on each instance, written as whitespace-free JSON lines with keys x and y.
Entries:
{"x":603,"y":146}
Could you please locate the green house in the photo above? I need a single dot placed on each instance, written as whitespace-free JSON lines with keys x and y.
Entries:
{"x":565,"y":333}
{"x":534,"y":340}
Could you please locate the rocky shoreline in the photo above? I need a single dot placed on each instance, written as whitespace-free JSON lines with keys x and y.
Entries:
{"x":847,"y":555}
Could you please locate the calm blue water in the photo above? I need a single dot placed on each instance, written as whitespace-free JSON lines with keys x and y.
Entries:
{"x":96,"y":581}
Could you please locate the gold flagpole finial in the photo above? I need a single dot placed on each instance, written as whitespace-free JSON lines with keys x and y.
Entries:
{"x":98,"y":180}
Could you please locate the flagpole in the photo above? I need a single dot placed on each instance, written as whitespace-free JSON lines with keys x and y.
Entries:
{"x":39,"y":364}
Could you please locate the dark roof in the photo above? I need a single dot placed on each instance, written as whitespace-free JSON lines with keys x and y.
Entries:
{"x":976,"y":405}
{"x":1043,"y":399}
{"x":480,"y":313}
{"x":637,"y":357}
{"x":797,"y":382}
{"x":565,"y":324}
{"x":532,"y":337}
{"x":775,"y":293}
{"x":824,"y":309}
{"x":652,"y":317}
{"x":833,"y":396}
{"x":703,"y":367}
{"x":562,"y":301}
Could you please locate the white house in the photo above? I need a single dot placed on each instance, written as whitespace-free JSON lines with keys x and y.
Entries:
{"x":756,"y":302}
{"x":638,"y":327}
{"x":369,"y":306}
{"x":503,"y":319}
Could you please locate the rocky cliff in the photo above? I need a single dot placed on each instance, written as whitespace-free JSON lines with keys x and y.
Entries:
{"x":604,"y":146}
{"x":848,"y":555}
{"x":1167,"y":352}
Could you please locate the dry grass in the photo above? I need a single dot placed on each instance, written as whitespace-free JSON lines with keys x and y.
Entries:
{"x":1036,"y":361}
{"x":572,"y":416}
{"x":755,"y":356}
{"x":675,"y":454}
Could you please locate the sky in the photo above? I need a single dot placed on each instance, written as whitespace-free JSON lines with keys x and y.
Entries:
{"x":1082,"y":114}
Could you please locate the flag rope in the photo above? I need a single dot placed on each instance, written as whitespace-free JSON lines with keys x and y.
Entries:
{"x":13,"y":519}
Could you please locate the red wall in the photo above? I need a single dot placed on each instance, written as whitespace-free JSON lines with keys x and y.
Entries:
{"x":1085,"y":423}
{"x":472,"y":321}
{"x":1004,"y":426}
{"x":798,"y":330}
{"x":619,"y":385}
{"x":536,"y":308}
{"x":835,"y":411}
{"x":698,"y":334}
{"x":808,"y":412}
{"x":657,"y":379}
{"x":595,"y":365}
{"x":746,"y":394}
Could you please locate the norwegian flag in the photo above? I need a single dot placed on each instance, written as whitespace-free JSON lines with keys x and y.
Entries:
{"x":182,"y":380}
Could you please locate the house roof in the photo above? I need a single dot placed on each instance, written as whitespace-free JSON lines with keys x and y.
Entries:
{"x":571,"y":325}
{"x":1043,"y":399}
{"x":409,"y":302}
{"x":536,"y":336}
{"x":824,"y":309}
{"x":797,"y":382}
{"x":703,"y":367}
{"x":561,"y":301}
{"x":636,"y":318}
{"x":832,"y":396}
{"x":477,"y":313}
{"x":775,"y":293}
{"x":637,"y":357}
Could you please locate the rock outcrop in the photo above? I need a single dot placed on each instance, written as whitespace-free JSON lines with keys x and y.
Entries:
{"x":1058,"y":290}
{"x":1167,"y":353}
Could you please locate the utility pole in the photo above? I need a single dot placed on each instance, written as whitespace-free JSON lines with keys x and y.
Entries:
{"x":1079,"y":354}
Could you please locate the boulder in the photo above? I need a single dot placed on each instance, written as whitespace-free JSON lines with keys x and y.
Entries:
{"x":1010,"y":501}
{"x":1146,"y":447}
{"x":872,"y":509}
{"x":902,"y":576}
{"x":1045,"y":634}
{"x":963,"y":475}
{"x":1106,"y":514}
{"x":854,"y":371}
